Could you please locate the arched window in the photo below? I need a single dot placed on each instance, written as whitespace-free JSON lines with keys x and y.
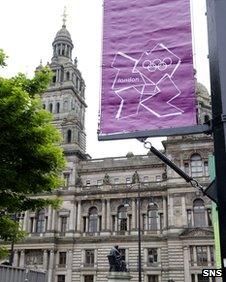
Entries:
{"x":152,"y":216}
{"x":199,"y":213}
{"x":58,"y":107}
{"x":40,"y":221}
{"x":122,"y":218}
{"x":196,"y":165}
{"x":69,"y":136}
{"x":93,"y":219}
{"x":67,"y":75}
{"x":54,"y":79}
{"x":44,"y":106}
{"x":51,"y":107}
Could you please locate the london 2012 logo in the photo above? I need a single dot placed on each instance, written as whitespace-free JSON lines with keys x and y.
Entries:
{"x":147,"y":83}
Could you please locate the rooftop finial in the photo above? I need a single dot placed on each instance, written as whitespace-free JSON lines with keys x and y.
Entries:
{"x":64,"y":17}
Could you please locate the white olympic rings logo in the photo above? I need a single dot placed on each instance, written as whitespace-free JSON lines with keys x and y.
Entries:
{"x":161,"y":65}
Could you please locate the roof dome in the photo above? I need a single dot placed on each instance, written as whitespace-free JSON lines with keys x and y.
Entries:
{"x":63,"y":35}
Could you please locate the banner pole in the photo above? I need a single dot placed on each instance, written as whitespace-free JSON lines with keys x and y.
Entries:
{"x":216,"y":18}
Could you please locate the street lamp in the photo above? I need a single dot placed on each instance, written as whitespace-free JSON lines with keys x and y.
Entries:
{"x":136,"y":180}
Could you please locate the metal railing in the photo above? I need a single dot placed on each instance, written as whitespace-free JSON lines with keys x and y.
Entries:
{"x":16,"y":274}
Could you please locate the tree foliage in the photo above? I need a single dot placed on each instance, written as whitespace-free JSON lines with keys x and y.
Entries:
{"x":30,"y":160}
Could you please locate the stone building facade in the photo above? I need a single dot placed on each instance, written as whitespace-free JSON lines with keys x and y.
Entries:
{"x":72,"y":243}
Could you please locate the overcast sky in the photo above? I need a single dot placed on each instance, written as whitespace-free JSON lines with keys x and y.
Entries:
{"x":28,"y":28}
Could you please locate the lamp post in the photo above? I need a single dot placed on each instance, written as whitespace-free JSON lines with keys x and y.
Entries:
{"x":136,"y":180}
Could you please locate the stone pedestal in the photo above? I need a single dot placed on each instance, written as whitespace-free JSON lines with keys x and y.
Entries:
{"x":119,"y":277}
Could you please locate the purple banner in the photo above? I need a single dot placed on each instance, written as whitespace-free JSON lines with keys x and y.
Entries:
{"x":147,"y":67}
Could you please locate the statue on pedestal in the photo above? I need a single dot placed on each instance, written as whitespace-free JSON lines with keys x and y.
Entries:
{"x":116,"y":262}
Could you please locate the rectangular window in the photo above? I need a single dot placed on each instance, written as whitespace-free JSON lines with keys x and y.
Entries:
{"x":66,"y":179}
{"x":62,"y":259}
{"x":191,"y":256}
{"x":158,"y":178}
{"x":31,"y":224}
{"x":60,"y":278}
{"x":201,"y":255}
{"x":116,"y":181}
{"x":89,"y":257}
{"x":128,"y":181}
{"x":206,"y":168}
{"x":46,"y":223}
{"x":100,"y":223}
{"x":153,"y":278}
{"x":209,"y":217}
{"x":152,"y":255}
{"x":63,"y":224}
{"x":145,"y":179}
{"x":84,"y":224}
{"x":113,"y":223}
{"x":40,"y":222}
{"x":99,"y":182}
{"x":88,"y":182}
{"x":212,"y":259}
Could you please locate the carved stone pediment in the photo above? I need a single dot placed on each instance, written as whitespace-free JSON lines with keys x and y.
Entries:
{"x":198,"y":232}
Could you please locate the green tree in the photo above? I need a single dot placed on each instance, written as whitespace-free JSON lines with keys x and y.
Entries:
{"x":30,"y":159}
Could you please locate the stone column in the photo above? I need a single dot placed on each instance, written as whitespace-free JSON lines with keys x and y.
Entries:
{"x":34,"y":225}
{"x":72,"y":218}
{"x":25,"y":221}
{"x":69,"y":265}
{"x":206,"y":217}
{"x":15,"y":258}
{"x":103,"y":215}
{"x":79,"y":217}
{"x":53,"y":227}
{"x":146,"y":222}
{"x":22,"y":257}
{"x":133,"y":214}
{"x":51,"y":266}
{"x":164,"y":213}
{"x":116,"y":223}
{"x":158,"y":223}
{"x":187,"y":276}
{"x":98,"y":223}
{"x":208,"y":256}
{"x":192,"y":219}
{"x":45,"y":259}
{"x":49,"y":225}
{"x":87,"y":224}
{"x":171,"y":221}
{"x":108,"y":215}
{"x":184,"y":212}
{"x":195,"y":256}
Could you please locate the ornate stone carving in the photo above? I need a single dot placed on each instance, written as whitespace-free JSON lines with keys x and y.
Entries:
{"x":106,"y":179}
{"x":78,"y":181}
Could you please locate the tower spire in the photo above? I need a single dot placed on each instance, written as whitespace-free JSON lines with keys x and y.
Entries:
{"x":64,"y":17}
